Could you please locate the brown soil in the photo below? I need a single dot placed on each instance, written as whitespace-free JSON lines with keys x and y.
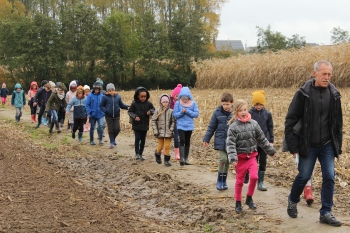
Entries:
{"x":52,"y":183}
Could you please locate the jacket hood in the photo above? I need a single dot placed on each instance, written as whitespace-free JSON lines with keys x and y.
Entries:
{"x":34,"y":83}
{"x":18,"y":86}
{"x":62,"y":86}
{"x":73,"y":83}
{"x":185,"y":91}
{"x":138,"y":90}
{"x":161,"y":96}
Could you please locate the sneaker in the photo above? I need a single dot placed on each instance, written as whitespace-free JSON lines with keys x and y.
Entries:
{"x":92,"y":143}
{"x":292,"y":209}
{"x":115,"y":143}
{"x":330,"y":220}
{"x":111,"y":146}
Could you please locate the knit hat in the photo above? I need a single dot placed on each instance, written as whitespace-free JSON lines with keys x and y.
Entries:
{"x":110,"y":86}
{"x":52,"y":84}
{"x":176,"y":90}
{"x":258,"y":97}
{"x":3,"y":85}
{"x":86,"y":87}
{"x":164,"y":99}
{"x":43,"y":82}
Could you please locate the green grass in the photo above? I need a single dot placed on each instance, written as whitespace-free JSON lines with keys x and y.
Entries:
{"x":50,"y":146}
{"x":120,"y":155}
{"x":66,"y":140}
{"x":207,"y":228}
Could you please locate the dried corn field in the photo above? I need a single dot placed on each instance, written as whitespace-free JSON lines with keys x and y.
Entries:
{"x":280,"y":70}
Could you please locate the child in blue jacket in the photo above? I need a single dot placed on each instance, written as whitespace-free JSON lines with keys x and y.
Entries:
{"x":18,"y":100}
{"x":111,"y":104}
{"x":219,"y":125}
{"x":184,"y":111}
{"x":79,"y":112}
{"x":93,"y":109}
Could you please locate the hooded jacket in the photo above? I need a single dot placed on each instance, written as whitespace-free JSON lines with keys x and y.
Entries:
{"x":244,"y":138}
{"x":264,"y":119}
{"x":18,"y":98}
{"x":111,"y":105}
{"x":32,"y":92}
{"x":79,"y":107}
{"x":163,"y":121}
{"x":70,"y":94}
{"x":54,"y":102}
{"x":219,"y":125}
{"x":184,"y":120}
{"x":42,"y":96}
{"x":140,"y":109}
{"x":93,"y":102}
{"x":300,"y":108}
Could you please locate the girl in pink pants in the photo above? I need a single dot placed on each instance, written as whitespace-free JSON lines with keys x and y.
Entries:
{"x":243,"y":137}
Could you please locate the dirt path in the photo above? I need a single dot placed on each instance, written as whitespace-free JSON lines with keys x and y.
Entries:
{"x":52,"y":183}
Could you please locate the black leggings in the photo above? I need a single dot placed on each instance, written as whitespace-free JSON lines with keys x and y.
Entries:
{"x":140,"y":140}
{"x":185,"y":137}
{"x":33,"y":109}
{"x":79,"y":124}
{"x":261,"y":159}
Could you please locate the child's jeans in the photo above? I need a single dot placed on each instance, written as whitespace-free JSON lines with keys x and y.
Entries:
{"x":19,"y":112}
{"x":164,"y":142}
{"x":54,"y":116}
{"x":113,"y":125}
{"x":243,"y":165}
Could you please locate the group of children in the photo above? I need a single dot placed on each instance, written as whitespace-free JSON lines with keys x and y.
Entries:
{"x":243,"y":136}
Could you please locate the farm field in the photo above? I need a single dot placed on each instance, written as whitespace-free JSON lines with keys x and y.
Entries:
{"x":52,"y":183}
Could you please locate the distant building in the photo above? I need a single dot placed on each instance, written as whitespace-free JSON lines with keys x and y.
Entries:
{"x":312,"y":44}
{"x":233,"y":45}
{"x":251,"y":49}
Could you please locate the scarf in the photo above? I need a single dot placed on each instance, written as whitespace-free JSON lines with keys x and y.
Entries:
{"x":246,"y":119}
{"x":60,"y":96}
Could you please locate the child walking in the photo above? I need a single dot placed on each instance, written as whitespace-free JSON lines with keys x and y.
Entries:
{"x":69,"y":96}
{"x":219,"y":125}
{"x":111,"y":104}
{"x":87,"y":123}
{"x":140,"y":111}
{"x":184,"y":111}
{"x":173,"y":98}
{"x":163,"y":123}
{"x":41,"y":100}
{"x":243,"y":137}
{"x":264,"y":118}
{"x":56,"y":101}
{"x":79,"y":112}
{"x":18,"y":100}
{"x":3,"y":93}
{"x":31,"y":94}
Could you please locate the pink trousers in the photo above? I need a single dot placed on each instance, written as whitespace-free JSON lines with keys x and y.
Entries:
{"x":243,"y":165}
{"x":3,"y":100}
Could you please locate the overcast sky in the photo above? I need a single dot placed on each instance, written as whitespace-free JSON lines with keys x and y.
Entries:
{"x":311,"y":19}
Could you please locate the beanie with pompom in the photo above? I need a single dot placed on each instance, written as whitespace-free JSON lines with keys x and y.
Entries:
{"x":176,"y":90}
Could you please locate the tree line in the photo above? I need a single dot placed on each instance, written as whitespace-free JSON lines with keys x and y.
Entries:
{"x":127,"y":42}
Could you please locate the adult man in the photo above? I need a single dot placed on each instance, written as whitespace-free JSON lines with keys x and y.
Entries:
{"x":318,"y":104}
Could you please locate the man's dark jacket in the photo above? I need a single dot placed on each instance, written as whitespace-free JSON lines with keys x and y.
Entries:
{"x":300,"y":107}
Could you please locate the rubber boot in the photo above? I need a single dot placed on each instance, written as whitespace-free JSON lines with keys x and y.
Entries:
{"x":100,"y":132}
{"x":246,"y":178}
{"x":158,"y":158}
{"x":44,"y":121}
{"x":37,"y":126}
{"x":80,"y":137}
{"x":187,"y":151}
{"x":177,"y":153}
{"x":182,"y":155}
{"x":51,"y":127}
{"x":32,"y":116}
{"x":58,"y":128}
{"x":92,"y":138}
{"x":238,"y":208}
{"x":16,"y":117}
{"x":224,"y":177}
{"x":250,"y":203}
{"x":219,"y":185}
{"x":261,"y":186}
{"x":167,"y":160}
{"x":73,"y":135}
{"x":308,"y":195}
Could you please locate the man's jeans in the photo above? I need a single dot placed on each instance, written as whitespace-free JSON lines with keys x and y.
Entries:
{"x":325,"y":155}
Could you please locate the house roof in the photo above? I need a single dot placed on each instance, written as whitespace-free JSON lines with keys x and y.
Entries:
{"x":229,"y":45}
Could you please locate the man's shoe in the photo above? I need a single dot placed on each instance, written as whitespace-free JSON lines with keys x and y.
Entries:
{"x":292,"y":209}
{"x":330,"y":220}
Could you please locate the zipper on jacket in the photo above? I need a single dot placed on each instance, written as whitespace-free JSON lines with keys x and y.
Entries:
{"x":113,"y":105}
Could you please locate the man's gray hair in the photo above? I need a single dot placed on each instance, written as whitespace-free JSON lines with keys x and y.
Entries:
{"x":319,"y":63}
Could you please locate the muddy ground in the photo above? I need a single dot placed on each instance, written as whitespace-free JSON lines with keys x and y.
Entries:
{"x":52,"y":183}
